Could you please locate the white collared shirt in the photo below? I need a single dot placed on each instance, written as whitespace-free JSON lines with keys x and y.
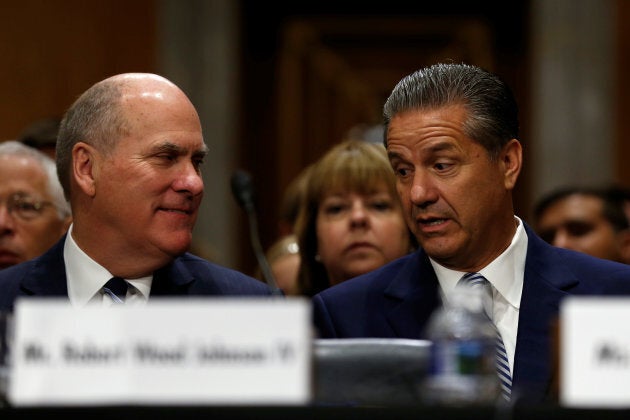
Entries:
{"x":85,"y":279}
{"x":505,"y":274}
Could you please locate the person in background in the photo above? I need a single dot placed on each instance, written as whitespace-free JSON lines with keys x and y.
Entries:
{"x":284,"y":261}
{"x":291,"y":201}
{"x":33,"y":211}
{"x":621,"y":195}
{"x":452,"y":140}
{"x":283,"y":255}
{"x":588,"y":220}
{"x":129,"y":157}
{"x":351,"y":220}
{"x":41,"y":135}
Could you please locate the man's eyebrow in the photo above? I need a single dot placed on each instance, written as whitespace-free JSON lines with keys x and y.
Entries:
{"x":440,"y":146}
{"x":393,"y":155}
{"x":168,"y":147}
{"x":202,"y":152}
{"x":433,"y":148}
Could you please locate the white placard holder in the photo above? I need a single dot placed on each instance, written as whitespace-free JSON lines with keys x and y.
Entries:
{"x":170,"y":352}
{"x":595,"y":352}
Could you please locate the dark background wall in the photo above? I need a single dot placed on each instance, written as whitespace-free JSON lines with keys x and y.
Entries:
{"x":315,"y":69}
{"x":306,"y":73}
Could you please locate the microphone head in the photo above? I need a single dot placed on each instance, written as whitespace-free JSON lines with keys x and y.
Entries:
{"x":243,"y":189}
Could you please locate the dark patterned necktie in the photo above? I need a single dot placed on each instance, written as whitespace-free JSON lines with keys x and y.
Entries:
{"x":116,"y":288}
{"x":476,"y":280}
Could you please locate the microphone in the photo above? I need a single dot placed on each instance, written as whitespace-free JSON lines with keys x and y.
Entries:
{"x":243,"y":191}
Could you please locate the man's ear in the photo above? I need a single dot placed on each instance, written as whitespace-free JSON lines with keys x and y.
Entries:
{"x":512,"y":161}
{"x":85,"y":167}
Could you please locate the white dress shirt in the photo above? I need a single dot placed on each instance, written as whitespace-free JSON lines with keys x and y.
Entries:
{"x":86,"y":278}
{"x":505,"y":274}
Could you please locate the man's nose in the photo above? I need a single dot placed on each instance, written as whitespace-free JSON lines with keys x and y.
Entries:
{"x":189,"y":180}
{"x":423,"y":190}
{"x":7,"y":222}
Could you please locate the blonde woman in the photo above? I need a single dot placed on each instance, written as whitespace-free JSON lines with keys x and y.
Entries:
{"x":351,"y":220}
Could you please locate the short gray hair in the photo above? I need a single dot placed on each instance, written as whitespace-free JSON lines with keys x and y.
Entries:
{"x":96,"y":118}
{"x":15,"y":148}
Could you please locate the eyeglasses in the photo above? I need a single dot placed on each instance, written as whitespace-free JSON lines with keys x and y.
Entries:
{"x":25,"y":207}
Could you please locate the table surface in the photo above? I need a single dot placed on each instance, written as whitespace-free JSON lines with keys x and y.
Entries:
{"x":307,"y":412}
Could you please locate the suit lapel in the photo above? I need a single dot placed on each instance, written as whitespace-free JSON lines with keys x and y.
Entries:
{"x":172,"y":280}
{"x":544,"y":286}
{"x":47,"y":275}
{"x":414,"y":295}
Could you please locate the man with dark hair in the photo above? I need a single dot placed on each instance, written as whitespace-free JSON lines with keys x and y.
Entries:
{"x":588,"y":220}
{"x":452,"y":139}
{"x":41,"y":135}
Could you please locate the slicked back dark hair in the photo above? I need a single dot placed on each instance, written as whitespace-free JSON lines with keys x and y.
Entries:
{"x":492,"y":110}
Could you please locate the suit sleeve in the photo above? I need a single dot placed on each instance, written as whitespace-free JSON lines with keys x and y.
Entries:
{"x":321,"y":317}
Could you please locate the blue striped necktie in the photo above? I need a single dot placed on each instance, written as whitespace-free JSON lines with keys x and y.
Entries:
{"x":476,"y":280}
{"x":116,"y":288}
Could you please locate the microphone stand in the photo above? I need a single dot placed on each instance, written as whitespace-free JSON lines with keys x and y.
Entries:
{"x":243,"y":192}
{"x":254,"y":238}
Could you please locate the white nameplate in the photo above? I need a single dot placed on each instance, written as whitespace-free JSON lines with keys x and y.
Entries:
{"x":595,"y":352}
{"x":183,"y":351}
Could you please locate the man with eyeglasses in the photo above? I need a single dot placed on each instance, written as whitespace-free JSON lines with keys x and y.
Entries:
{"x":33,"y":211}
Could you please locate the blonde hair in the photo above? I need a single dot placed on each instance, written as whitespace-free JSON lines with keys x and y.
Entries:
{"x":349,"y":166}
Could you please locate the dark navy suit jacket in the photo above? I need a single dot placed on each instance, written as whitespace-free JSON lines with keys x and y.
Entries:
{"x":186,"y":275}
{"x":397,"y":300}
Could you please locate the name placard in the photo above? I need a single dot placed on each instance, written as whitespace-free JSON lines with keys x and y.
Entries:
{"x":170,"y":351}
{"x":595,"y":352}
